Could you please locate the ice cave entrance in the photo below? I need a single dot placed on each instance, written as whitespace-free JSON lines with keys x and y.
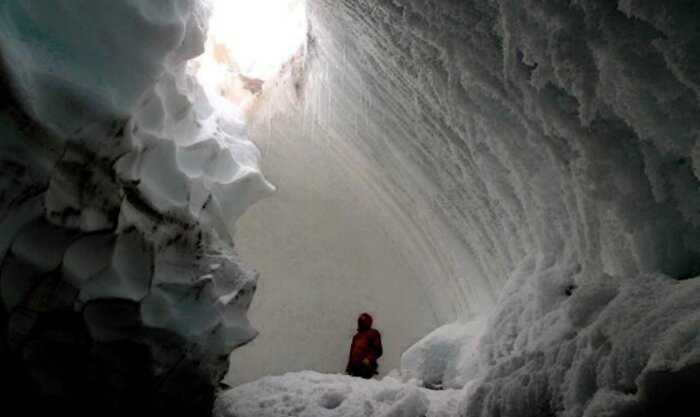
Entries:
{"x":249,"y":41}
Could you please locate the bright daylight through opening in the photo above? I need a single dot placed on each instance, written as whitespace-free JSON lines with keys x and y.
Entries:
{"x":248,"y":42}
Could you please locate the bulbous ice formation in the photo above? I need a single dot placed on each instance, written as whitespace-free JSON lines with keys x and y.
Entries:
{"x":121,"y":188}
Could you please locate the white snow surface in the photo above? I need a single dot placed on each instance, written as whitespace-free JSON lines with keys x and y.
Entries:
{"x":600,"y":351}
{"x":447,"y":357}
{"x":311,"y":394}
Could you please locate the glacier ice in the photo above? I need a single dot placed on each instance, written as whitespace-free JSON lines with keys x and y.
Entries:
{"x":537,"y":163}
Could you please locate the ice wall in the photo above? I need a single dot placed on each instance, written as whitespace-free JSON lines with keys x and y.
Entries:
{"x":513,"y":129}
{"x":546,"y":155}
{"x":121,"y":186}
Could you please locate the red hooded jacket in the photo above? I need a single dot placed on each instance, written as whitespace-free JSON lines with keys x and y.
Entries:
{"x":366,"y":348}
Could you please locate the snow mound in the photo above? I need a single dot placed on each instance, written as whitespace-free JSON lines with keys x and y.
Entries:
{"x":311,"y":394}
{"x":446,"y":357}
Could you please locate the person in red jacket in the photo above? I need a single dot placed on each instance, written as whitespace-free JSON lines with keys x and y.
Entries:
{"x":366,"y":348}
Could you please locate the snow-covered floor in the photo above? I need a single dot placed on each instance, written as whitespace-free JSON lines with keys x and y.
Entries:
{"x":311,"y":394}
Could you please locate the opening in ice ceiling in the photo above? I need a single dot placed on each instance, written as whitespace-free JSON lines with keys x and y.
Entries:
{"x":249,"y":41}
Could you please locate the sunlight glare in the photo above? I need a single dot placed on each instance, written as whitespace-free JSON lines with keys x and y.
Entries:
{"x":247,"y":44}
{"x":260,"y":34}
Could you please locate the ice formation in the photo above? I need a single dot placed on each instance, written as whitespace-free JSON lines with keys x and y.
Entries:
{"x":121,"y":188}
{"x":536,"y":162}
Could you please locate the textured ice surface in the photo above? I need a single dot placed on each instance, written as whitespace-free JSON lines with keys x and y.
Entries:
{"x":606,"y":347}
{"x":140,"y":179}
{"x":541,"y":156}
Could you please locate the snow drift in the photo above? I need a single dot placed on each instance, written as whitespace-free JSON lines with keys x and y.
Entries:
{"x":513,"y":129}
{"x":612,"y":347}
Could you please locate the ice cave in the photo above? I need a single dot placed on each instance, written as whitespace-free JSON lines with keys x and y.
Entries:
{"x":199,"y":197}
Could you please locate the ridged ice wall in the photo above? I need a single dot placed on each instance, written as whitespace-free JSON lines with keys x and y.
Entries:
{"x":503,"y":129}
